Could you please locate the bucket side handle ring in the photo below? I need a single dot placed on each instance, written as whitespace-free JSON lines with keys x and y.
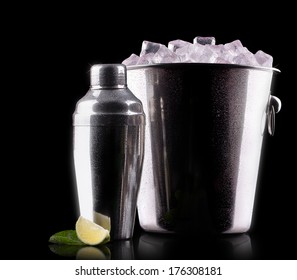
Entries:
{"x":274,"y":106}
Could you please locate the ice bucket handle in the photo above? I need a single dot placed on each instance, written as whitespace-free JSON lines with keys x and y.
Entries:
{"x":274,"y":107}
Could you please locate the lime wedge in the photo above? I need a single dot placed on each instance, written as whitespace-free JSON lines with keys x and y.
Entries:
{"x":89,"y":232}
{"x":102,"y":220}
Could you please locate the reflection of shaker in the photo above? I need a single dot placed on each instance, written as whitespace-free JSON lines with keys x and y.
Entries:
{"x":108,"y":150}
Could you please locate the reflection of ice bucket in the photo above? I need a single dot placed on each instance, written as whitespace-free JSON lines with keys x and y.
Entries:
{"x":204,"y":132}
{"x":160,"y":246}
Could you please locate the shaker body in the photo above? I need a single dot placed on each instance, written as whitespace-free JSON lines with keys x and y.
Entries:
{"x":108,"y":155}
{"x":109,"y":160}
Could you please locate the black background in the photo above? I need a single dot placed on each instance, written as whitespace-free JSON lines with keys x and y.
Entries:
{"x":49,"y":51}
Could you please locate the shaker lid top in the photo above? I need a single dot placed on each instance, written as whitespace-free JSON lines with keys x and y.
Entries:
{"x":108,"y":76}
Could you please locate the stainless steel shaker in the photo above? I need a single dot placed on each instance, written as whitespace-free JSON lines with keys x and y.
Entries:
{"x":108,"y":150}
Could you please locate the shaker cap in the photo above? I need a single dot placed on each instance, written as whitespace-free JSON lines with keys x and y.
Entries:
{"x":108,"y":76}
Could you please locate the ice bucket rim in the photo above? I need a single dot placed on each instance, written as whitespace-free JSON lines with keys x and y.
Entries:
{"x":193,"y":64}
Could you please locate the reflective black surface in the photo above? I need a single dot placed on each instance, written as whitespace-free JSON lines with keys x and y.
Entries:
{"x":158,"y":247}
{"x":150,"y":246}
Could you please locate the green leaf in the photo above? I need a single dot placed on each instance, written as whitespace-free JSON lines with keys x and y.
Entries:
{"x":67,"y":237}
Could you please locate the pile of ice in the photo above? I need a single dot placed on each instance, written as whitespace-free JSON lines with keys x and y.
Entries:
{"x":202,"y":50}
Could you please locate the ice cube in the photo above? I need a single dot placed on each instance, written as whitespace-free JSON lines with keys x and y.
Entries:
{"x":176,"y":44}
{"x":204,"y":40}
{"x":218,"y":49}
{"x":264,"y":59}
{"x":231,"y":50}
{"x":146,"y":59}
{"x":233,"y":45}
{"x":164,"y":55}
{"x":209,"y":54}
{"x":245,"y":58}
{"x":196,"y":53}
{"x":234,"y":48}
{"x":185,"y":52}
{"x":131,"y":60}
{"x":149,"y":47}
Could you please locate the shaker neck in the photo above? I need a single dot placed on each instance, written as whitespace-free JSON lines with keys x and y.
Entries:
{"x":94,"y":87}
{"x":108,"y":76}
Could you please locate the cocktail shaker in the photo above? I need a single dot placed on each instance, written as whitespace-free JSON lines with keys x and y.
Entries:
{"x":108,"y":150}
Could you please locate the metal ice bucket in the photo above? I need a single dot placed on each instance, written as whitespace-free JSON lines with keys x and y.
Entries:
{"x":203,"y":139}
